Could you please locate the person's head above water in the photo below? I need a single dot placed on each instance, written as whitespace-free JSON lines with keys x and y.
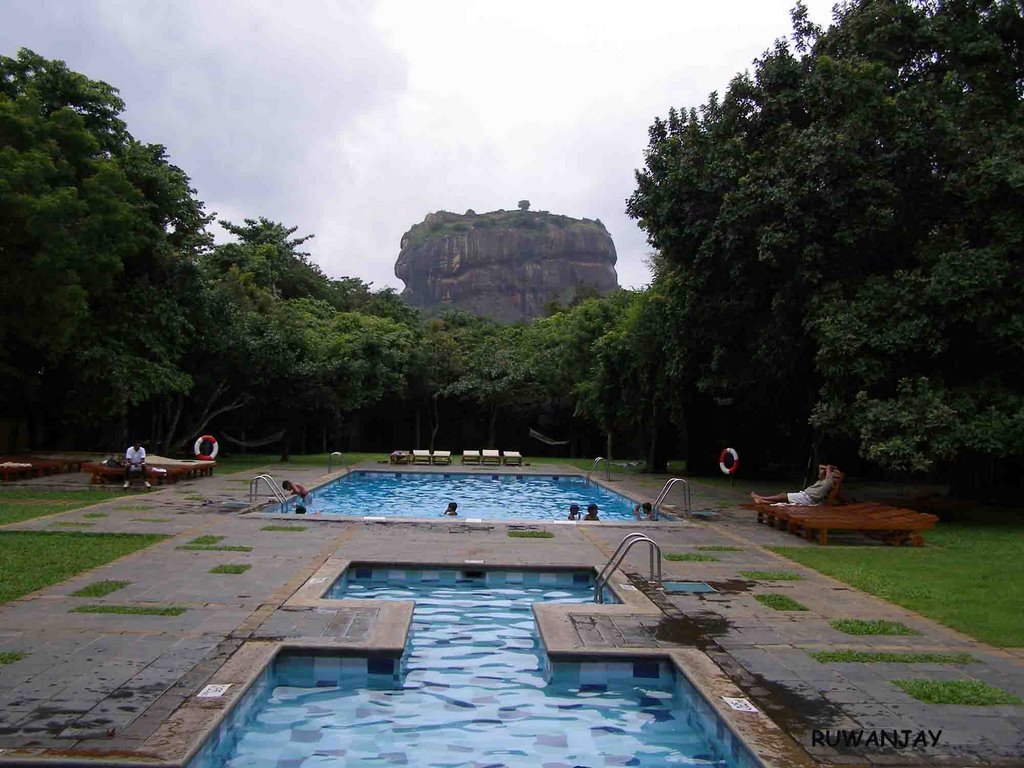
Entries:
{"x":574,"y":508}
{"x":647,"y":507}
{"x":452,"y":507}
{"x":286,"y":484}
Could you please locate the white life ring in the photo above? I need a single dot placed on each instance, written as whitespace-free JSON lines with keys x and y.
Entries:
{"x":733,"y":464}
{"x":203,"y":441}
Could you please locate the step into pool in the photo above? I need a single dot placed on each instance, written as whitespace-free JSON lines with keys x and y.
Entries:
{"x":473,"y":690}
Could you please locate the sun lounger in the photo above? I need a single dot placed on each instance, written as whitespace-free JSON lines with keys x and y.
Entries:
{"x":513,"y":458}
{"x":421,"y":457}
{"x":893,"y":525}
{"x":101,"y":474}
{"x":471,"y":457}
{"x":441,"y":457}
{"x":400,"y":457}
{"x":490,"y":457}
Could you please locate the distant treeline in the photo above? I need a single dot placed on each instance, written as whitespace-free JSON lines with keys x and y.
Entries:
{"x":838,"y":272}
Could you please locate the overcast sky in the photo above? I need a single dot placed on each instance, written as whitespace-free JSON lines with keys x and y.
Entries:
{"x":353,"y":120}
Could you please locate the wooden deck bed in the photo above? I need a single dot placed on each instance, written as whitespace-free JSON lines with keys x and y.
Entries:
{"x":102,"y":474}
{"x":893,"y":525}
{"x":18,"y":467}
{"x":890,"y":524}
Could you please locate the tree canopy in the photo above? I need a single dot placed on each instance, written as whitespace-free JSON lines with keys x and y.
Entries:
{"x":837,"y":260}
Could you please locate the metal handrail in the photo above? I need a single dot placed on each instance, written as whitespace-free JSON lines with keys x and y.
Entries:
{"x":669,"y":484}
{"x":270,"y":482}
{"x":607,"y":469}
{"x":619,"y":555}
{"x":330,"y":461}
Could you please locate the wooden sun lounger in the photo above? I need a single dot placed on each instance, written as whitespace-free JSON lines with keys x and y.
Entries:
{"x":892,"y":525}
{"x":102,"y":474}
{"x":400,"y":457}
{"x":421,"y":457}
{"x":513,"y":458}
{"x":489,"y":456}
{"x":471,"y":457}
{"x":441,"y":457}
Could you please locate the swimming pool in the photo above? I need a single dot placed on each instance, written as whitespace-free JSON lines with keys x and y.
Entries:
{"x":480,"y":496}
{"x":473,"y":691}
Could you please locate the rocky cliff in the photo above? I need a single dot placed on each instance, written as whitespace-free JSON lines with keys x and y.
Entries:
{"x":506,"y":265}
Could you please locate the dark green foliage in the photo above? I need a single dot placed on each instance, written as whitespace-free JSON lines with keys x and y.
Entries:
{"x":839,"y":234}
{"x":9,"y":657}
{"x":284,"y":528}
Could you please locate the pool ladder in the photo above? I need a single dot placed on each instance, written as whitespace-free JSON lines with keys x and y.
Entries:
{"x":669,"y":485}
{"x":607,"y":469}
{"x":619,"y":555}
{"x":270,"y":482}
{"x":330,"y":461}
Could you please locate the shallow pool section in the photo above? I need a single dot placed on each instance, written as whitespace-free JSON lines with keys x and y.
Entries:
{"x":473,"y":691}
{"x":480,"y":496}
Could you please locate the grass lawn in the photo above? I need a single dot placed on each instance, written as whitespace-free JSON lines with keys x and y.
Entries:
{"x":30,"y":560}
{"x":872,"y":627}
{"x":19,"y":504}
{"x":690,"y":557}
{"x":780,"y":602}
{"x":972,"y":693}
{"x":970,"y":576}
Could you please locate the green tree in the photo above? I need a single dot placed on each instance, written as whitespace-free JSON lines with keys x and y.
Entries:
{"x":839,"y":235}
{"x":524,"y":205}
{"x":97,"y":233}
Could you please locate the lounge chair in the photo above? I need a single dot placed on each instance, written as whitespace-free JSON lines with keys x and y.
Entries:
{"x":490,"y":457}
{"x":421,"y":457}
{"x":892,"y":525}
{"x":400,"y":457}
{"x":441,"y":457}
{"x":471,"y":457}
{"x":513,"y":458}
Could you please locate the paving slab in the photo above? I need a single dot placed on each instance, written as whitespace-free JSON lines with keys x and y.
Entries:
{"x":122,"y":683}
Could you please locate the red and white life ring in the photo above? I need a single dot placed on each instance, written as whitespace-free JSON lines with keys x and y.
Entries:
{"x":728,"y":461}
{"x":206,"y":448}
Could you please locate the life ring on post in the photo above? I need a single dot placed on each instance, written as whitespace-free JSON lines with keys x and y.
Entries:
{"x":728,"y":461}
{"x":206,"y":448}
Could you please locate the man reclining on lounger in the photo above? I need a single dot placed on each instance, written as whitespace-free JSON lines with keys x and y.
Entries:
{"x":809,"y":496}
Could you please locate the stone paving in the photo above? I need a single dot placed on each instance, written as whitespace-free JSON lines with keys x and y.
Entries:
{"x":107,"y":682}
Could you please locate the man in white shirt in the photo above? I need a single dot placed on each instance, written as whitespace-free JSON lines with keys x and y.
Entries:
{"x":135,"y":463}
{"x":811,"y":496}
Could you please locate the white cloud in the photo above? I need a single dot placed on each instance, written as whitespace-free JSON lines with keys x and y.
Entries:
{"x":353,"y":121}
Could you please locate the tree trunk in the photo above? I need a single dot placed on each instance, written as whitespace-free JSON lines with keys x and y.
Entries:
{"x":435,"y":424}
{"x":417,"y":443}
{"x":491,"y":426}
{"x":285,"y":441}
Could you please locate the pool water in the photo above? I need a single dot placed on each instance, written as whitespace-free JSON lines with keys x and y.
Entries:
{"x":484,"y":497}
{"x":474,"y":691}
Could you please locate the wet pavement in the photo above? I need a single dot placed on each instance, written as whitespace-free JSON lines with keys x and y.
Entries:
{"x":110,"y":683}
